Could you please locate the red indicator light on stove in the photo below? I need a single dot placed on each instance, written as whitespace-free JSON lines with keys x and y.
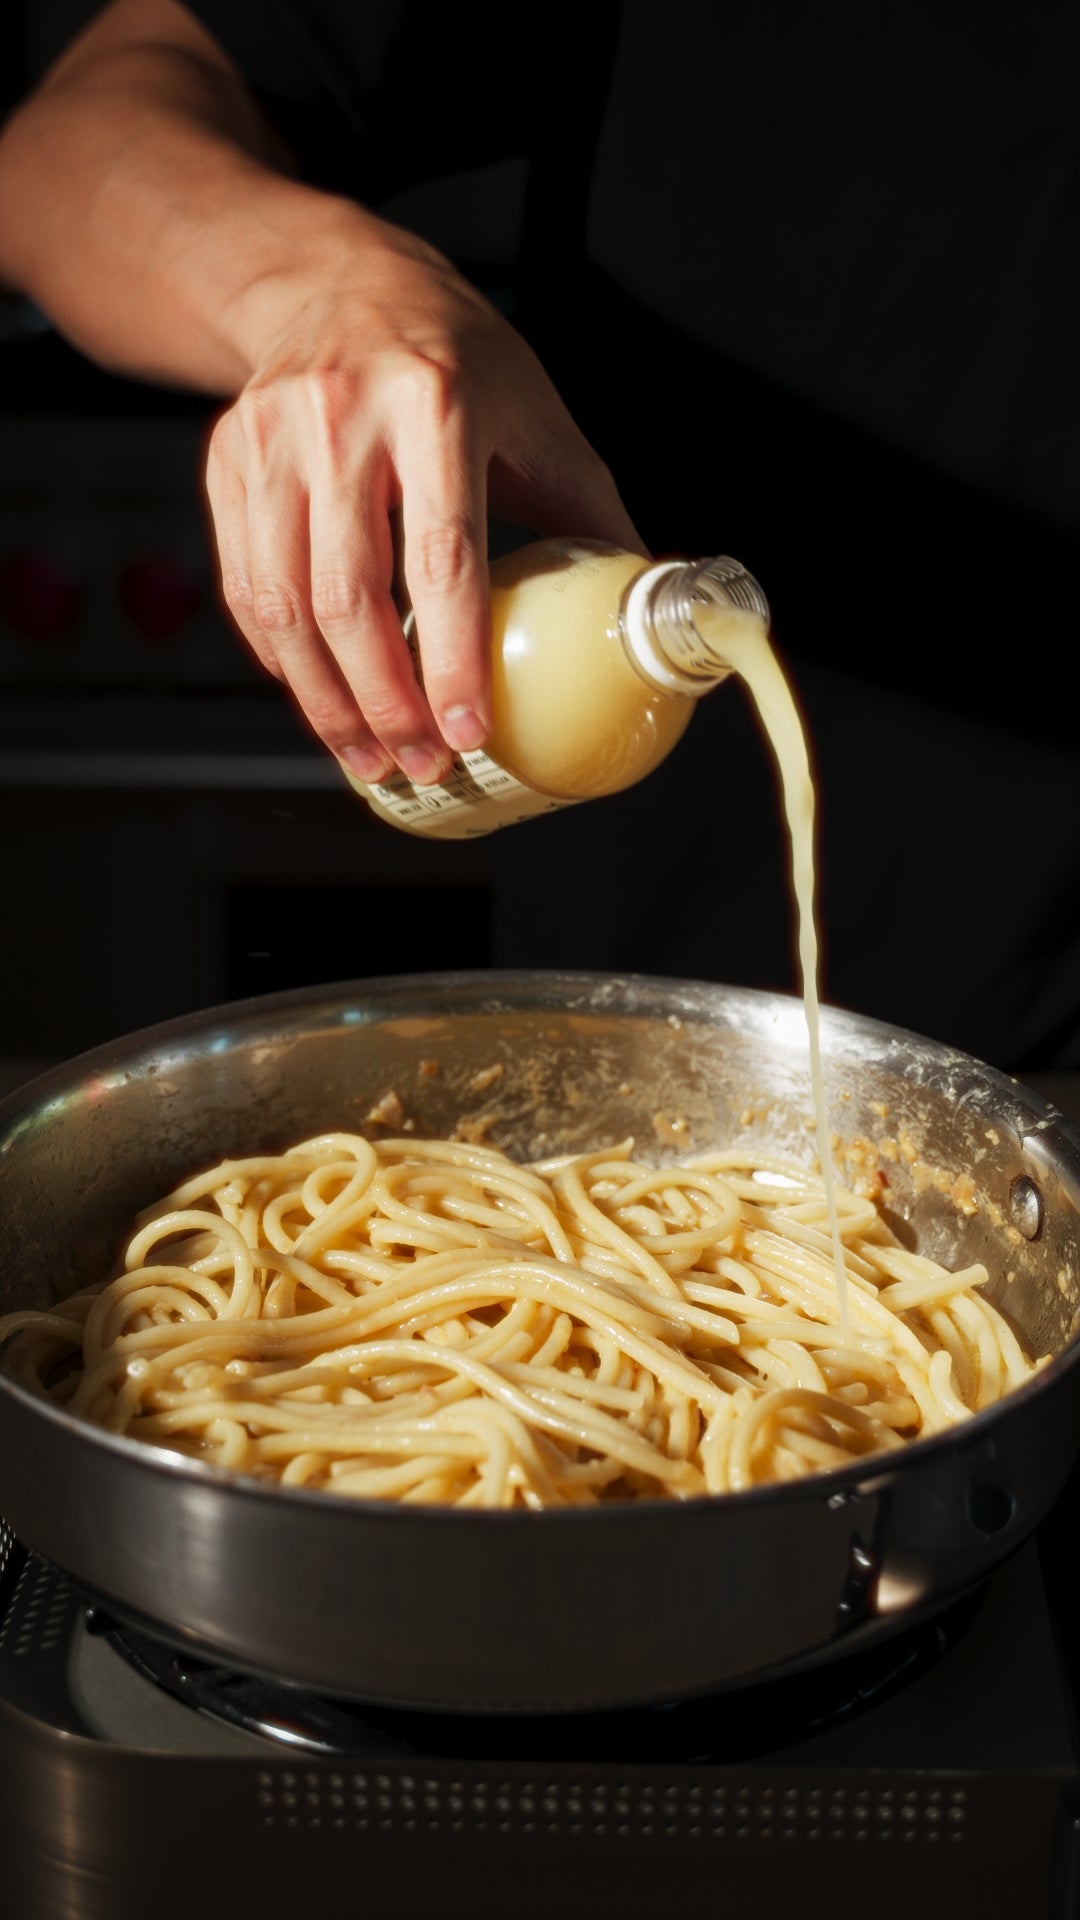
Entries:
{"x":39,"y":600}
{"x":159,"y":596}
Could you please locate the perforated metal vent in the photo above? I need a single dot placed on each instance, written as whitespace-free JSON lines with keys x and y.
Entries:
{"x":733,"y":1810}
{"x":40,"y":1609}
{"x":7,"y":1541}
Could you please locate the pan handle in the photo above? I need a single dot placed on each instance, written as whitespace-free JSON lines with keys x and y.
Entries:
{"x":858,"y":1594}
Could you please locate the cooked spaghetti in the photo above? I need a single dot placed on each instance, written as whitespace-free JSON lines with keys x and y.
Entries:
{"x":430,"y":1321}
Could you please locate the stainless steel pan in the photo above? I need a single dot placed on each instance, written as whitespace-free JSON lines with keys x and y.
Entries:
{"x":501,"y":1611}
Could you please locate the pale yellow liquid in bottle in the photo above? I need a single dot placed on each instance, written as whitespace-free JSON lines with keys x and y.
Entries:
{"x":572,"y":716}
{"x":573,"y":719}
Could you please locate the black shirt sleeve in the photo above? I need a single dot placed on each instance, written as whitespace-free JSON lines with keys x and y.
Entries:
{"x":363,"y":114}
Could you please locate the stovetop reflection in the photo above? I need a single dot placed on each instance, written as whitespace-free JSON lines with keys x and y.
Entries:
{"x":737,"y":1725}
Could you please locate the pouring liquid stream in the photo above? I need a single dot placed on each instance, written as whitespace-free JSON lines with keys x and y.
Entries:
{"x":744,"y":644}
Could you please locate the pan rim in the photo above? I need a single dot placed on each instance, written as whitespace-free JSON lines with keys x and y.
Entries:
{"x":518,"y":990}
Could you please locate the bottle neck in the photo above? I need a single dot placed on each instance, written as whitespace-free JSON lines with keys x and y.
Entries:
{"x":674,"y":617}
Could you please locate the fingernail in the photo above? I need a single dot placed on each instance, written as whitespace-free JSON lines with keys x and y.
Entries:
{"x":421,"y":766}
{"x":366,"y":764}
{"x":463,"y":729}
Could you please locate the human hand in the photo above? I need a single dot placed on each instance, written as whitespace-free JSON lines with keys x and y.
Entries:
{"x":385,"y":385}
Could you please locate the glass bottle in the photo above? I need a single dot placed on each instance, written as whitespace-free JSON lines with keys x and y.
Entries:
{"x":597,"y":659}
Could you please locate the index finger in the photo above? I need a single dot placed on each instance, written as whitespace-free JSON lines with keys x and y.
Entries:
{"x":443,"y":479}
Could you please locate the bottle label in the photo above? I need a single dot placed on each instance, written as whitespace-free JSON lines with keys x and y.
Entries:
{"x":476,"y":796}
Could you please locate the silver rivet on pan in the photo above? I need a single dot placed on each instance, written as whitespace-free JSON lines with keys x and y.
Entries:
{"x":1026,"y":1207}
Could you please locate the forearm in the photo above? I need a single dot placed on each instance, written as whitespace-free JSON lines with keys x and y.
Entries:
{"x":146,"y":209}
